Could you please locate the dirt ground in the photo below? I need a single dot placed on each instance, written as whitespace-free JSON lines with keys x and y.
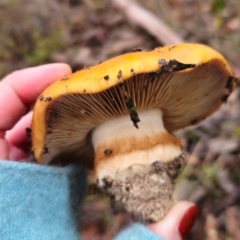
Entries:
{"x":83,"y":33}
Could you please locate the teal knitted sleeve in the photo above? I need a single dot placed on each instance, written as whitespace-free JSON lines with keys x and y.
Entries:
{"x":40,"y":203}
{"x":137,"y":232}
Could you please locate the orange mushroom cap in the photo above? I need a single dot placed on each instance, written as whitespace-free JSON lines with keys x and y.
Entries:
{"x":67,"y":111}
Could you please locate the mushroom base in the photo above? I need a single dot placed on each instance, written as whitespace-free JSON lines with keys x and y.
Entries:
{"x":148,"y":195}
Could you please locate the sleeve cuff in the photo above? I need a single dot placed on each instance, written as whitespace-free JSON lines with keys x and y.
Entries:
{"x":137,"y":232}
{"x":39,"y":202}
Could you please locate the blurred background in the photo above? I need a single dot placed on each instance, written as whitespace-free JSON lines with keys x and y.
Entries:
{"x":83,"y":33}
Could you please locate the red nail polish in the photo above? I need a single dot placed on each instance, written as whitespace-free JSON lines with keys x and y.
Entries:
{"x":187,"y":221}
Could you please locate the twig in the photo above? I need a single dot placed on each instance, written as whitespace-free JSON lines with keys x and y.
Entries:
{"x":154,"y":25}
{"x":232,"y":222}
{"x":211,"y":228}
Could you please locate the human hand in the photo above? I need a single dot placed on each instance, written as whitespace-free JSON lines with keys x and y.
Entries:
{"x":178,"y":222}
{"x":18,"y":92}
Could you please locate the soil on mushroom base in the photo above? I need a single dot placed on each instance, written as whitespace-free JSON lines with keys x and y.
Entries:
{"x":147,"y":194}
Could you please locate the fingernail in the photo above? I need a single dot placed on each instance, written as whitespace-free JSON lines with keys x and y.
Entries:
{"x":187,"y":221}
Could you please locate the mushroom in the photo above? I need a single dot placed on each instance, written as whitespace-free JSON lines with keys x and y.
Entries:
{"x":116,"y":118}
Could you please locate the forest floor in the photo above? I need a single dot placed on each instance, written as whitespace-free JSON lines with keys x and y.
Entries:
{"x":83,"y":33}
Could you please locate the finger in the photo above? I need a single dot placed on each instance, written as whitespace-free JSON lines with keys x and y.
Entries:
{"x":18,"y":140}
{"x":3,"y":149}
{"x":20,"y":89}
{"x":178,"y":222}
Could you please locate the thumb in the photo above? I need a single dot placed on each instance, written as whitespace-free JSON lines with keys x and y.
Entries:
{"x":178,"y":222}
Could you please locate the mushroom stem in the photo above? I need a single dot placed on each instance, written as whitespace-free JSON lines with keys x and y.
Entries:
{"x":119,"y":145}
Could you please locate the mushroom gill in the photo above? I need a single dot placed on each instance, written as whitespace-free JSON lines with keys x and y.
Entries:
{"x":183,"y":97}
